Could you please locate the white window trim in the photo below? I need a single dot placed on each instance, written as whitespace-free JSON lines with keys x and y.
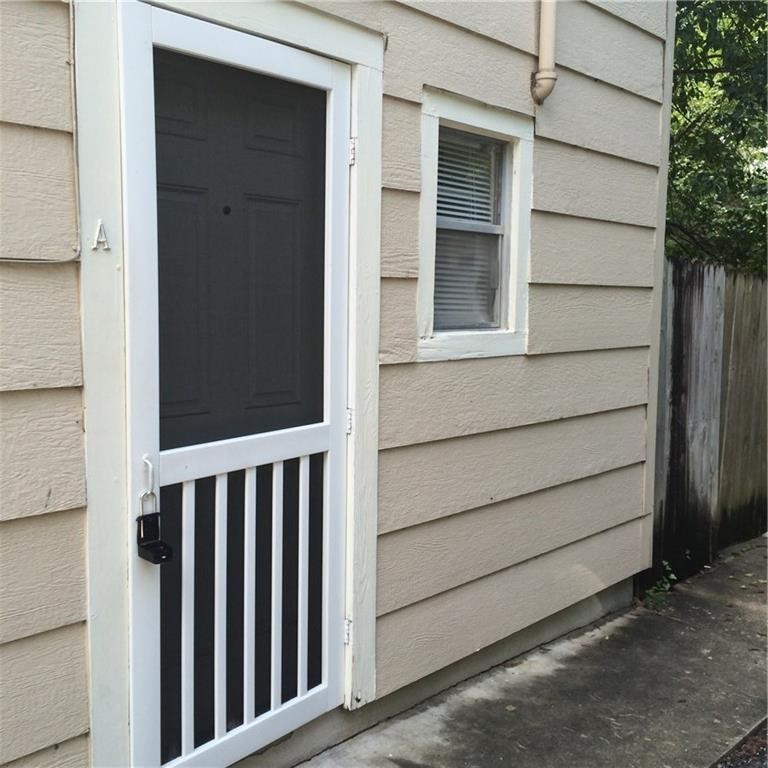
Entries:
{"x":110,"y":529}
{"x":438,"y":109}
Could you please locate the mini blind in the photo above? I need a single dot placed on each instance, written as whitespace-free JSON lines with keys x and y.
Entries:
{"x":469,"y":231}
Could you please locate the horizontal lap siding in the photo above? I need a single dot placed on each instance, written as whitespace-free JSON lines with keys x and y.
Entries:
{"x":423,"y":49}
{"x":69,"y":754}
{"x":421,"y":561}
{"x":583,"y":183}
{"x":39,"y":326}
{"x":43,"y":666}
{"x":397,"y":342}
{"x":628,"y":126}
{"x":399,"y":233}
{"x":604,"y":47}
{"x":570,"y":250}
{"x":564,"y":318}
{"x":425,"y":636}
{"x":401,"y":145}
{"x":589,"y":40}
{"x":44,"y":697}
{"x":42,"y":573}
{"x":41,"y":455}
{"x":425,"y":482}
{"x":515,"y":23}
{"x":35,"y":66}
{"x":649,"y":15}
{"x":37,"y":190}
{"x":488,"y":463}
{"x":428,"y":402}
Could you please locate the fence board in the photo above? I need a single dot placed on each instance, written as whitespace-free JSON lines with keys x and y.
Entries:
{"x":711,"y":449}
{"x":742,"y":482}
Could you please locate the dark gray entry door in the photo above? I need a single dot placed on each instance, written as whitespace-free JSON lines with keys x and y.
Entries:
{"x":240,"y":185}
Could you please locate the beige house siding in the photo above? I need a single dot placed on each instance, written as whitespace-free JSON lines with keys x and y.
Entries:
{"x":425,"y":636}
{"x":591,"y":39}
{"x":510,"y":488}
{"x":44,"y":350}
{"x":556,"y":387}
{"x":44,"y":696}
{"x":44,"y":699}
{"x":72,"y":753}
{"x":35,"y":66}
{"x":399,"y":241}
{"x":649,"y":15}
{"x":513,"y":487}
{"x":428,"y":481}
{"x":564,"y":250}
{"x":42,"y":573}
{"x":423,"y":560}
{"x":37,"y":167}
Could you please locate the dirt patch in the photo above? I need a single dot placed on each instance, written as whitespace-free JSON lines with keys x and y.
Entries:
{"x":750,"y":752}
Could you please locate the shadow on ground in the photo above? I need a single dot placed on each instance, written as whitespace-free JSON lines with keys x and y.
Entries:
{"x":671,"y":687}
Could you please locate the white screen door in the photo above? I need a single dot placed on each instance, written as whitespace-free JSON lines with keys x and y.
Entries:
{"x":235,"y":195}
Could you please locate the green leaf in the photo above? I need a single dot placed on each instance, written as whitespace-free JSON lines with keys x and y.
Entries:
{"x":718,"y":170}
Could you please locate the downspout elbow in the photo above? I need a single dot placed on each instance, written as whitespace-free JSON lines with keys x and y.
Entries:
{"x":544,"y":79}
{"x":542,"y":84}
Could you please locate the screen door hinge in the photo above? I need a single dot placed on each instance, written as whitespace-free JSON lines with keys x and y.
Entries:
{"x":347,"y":631}
{"x":352,"y":150}
{"x":349,"y":421}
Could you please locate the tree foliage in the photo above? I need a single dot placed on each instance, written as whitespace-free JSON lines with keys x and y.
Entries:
{"x":716,"y":208}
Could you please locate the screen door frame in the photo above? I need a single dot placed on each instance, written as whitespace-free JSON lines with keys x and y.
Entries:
{"x":141,"y":28}
{"x":110,"y":529}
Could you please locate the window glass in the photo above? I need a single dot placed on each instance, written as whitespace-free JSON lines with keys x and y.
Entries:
{"x":469,"y":231}
{"x":466,"y":280}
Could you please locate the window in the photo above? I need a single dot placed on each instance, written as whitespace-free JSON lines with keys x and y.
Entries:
{"x":475,"y":223}
{"x":469,"y":231}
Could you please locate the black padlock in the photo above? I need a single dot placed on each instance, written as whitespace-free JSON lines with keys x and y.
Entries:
{"x":151,"y":547}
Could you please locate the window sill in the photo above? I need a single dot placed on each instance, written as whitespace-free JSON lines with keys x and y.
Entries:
{"x":461,"y":345}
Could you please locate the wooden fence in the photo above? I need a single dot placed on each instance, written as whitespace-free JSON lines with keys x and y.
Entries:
{"x":711,"y":445}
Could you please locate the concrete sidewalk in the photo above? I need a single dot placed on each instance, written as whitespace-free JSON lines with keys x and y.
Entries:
{"x":671,"y":687}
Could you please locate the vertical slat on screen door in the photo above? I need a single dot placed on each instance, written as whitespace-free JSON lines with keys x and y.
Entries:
{"x":220,"y":611}
{"x":187,"y":617}
{"x":301,"y":667}
{"x":249,"y":596}
{"x":326,"y":567}
{"x":277,"y":583}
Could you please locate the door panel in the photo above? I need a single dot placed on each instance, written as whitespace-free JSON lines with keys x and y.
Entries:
{"x":183,"y":272}
{"x":241,"y":185}
{"x":274,"y":372}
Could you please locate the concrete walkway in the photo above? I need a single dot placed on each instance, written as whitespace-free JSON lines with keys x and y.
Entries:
{"x":673,"y":687}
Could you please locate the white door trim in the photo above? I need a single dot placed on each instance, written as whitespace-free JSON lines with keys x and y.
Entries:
{"x":110,"y":525}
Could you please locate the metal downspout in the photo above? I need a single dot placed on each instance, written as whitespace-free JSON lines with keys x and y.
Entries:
{"x":543,"y":80}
